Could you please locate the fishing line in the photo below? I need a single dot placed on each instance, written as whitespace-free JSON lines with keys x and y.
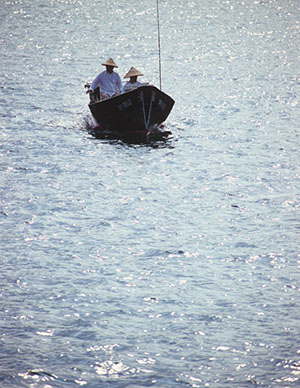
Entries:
{"x":158,"y":38}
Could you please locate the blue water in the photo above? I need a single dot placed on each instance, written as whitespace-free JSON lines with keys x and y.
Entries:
{"x":172,"y":264}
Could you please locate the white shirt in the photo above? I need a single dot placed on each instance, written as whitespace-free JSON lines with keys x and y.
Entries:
{"x":129,"y":86}
{"x":109,"y":83}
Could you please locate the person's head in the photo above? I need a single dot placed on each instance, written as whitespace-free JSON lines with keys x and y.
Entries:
{"x":109,"y":69}
{"x":133,"y":79}
{"x":110,"y":64}
{"x":133,"y":74}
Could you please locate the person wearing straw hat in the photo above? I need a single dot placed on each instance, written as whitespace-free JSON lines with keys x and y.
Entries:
{"x":133,"y":83}
{"x":107,"y":82}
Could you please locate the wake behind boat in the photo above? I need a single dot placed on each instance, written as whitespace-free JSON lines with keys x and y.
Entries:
{"x":134,"y":113}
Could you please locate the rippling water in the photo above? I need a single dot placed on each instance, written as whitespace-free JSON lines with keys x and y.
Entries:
{"x":171,"y":264}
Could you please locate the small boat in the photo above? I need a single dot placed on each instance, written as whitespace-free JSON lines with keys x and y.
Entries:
{"x":138,"y":112}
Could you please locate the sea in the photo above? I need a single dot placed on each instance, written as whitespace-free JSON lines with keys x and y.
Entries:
{"x":170,"y":263}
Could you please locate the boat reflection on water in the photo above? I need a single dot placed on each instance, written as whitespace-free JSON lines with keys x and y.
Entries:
{"x":153,"y":135}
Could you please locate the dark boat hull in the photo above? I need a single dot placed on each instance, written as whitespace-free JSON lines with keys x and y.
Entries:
{"x":132,"y":112}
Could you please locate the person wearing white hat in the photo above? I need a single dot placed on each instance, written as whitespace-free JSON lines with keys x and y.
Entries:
{"x":133,"y":82}
{"x":109,"y":82}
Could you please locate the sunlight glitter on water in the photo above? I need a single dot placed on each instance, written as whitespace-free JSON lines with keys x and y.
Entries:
{"x":167,"y":264}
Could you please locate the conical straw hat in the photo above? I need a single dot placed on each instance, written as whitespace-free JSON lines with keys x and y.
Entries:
{"x":110,"y":62}
{"x":132,"y":73}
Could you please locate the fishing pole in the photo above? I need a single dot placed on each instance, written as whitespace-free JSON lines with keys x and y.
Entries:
{"x":158,"y":41}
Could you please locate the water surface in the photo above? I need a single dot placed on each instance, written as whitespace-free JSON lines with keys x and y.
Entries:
{"x":171,"y":264}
